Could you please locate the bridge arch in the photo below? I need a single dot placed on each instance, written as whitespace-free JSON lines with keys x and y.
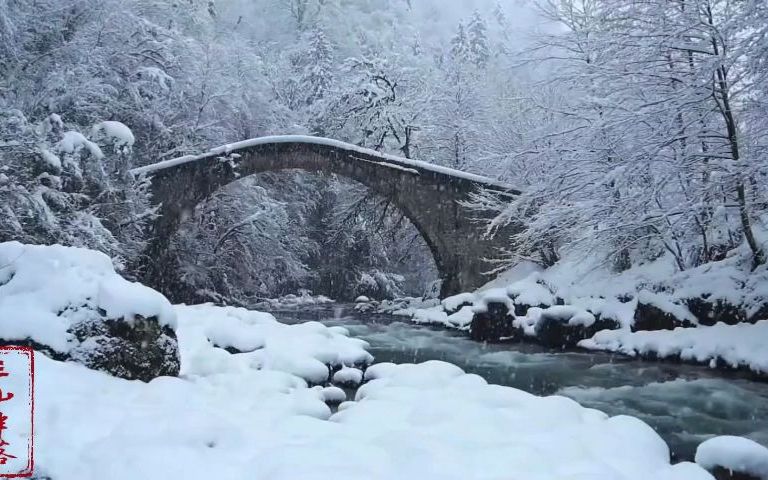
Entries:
{"x":429,"y":196}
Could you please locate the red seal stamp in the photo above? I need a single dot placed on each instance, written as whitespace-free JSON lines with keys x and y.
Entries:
{"x":17,"y":383}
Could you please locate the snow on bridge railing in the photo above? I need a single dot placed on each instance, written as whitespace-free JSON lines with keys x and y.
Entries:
{"x":397,"y":162}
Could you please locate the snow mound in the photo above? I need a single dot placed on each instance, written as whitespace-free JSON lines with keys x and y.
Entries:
{"x":44,"y":290}
{"x":73,"y":142}
{"x":117,"y":132}
{"x":259,"y":341}
{"x":570,"y":314}
{"x":332,"y":394}
{"x":451,"y":304}
{"x":741,"y":345}
{"x":530,"y":292}
{"x":737,"y":454}
{"x":461,"y":319}
{"x":493,"y":295}
{"x":348,"y":376}
{"x":430,"y":316}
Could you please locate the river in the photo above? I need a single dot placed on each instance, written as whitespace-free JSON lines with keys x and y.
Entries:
{"x":685,"y":404}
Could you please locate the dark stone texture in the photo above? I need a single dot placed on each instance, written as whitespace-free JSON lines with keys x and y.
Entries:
{"x":710,"y":312}
{"x":651,"y":317}
{"x":458,"y":307}
{"x":521,"y":309}
{"x":555,"y":332}
{"x":431,"y":200}
{"x":492,"y":325}
{"x":760,"y":314}
{"x":721,"y":473}
{"x":141,"y":349}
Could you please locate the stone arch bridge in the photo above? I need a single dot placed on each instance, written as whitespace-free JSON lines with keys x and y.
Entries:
{"x":430,"y":196}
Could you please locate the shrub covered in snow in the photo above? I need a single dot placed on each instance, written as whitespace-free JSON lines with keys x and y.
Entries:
{"x":59,"y":186}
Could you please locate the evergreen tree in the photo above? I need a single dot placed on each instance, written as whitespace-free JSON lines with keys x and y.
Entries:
{"x":460,"y":48}
{"x":477,"y":38}
{"x":317,"y":76}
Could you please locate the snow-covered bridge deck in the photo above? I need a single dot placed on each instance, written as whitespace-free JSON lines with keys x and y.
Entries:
{"x":431,"y":196}
{"x":383,"y":159}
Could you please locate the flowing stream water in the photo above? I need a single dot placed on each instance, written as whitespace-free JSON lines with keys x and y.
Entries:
{"x":685,"y":404}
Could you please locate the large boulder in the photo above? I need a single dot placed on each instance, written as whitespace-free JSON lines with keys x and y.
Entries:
{"x":656,"y":311}
{"x":528,"y":293}
{"x":564,"y":326}
{"x":70,"y":304}
{"x":709,"y":311}
{"x":140,"y":349}
{"x":492,"y":321}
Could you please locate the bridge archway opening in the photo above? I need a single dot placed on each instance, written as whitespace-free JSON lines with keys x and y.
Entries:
{"x":282,"y":232}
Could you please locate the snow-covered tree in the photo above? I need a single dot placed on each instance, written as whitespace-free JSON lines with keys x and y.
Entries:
{"x":317,"y":76}
{"x":477,"y":39}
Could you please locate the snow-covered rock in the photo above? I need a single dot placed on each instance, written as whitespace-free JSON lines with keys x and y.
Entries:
{"x":248,"y":339}
{"x":657,"y":311}
{"x":71,"y":304}
{"x":461,"y":319}
{"x":430,"y":316}
{"x":304,"y":297}
{"x":529,"y":292}
{"x":735,"y":346}
{"x":454,"y":303}
{"x":362,"y":299}
{"x":348,"y":377}
{"x":563,"y":326}
{"x":333,"y":395}
{"x":736,"y":455}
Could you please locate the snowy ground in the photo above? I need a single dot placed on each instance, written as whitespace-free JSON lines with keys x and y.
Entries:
{"x":427,"y":421}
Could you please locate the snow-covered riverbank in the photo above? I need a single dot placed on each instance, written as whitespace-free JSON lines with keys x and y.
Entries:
{"x":252,"y":398}
{"x":714,"y":315}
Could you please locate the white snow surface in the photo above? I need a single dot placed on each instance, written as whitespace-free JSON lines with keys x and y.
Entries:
{"x":529,"y":291}
{"x":37,"y":283}
{"x":737,"y":454}
{"x":305,"y":350}
{"x":348,"y":376}
{"x":493,"y":295}
{"x":395,"y":160}
{"x":426,"y":421}
{"x":741,"y":345}
{"x":452,"y":303}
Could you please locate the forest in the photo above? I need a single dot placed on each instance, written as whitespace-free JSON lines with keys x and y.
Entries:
{"x":635,"y":129}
